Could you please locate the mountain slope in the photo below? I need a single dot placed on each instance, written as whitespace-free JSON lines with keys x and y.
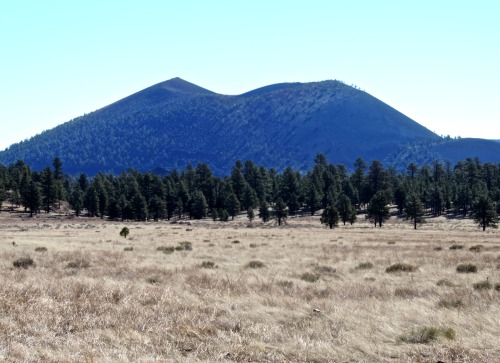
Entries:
{"x":176,"y":122}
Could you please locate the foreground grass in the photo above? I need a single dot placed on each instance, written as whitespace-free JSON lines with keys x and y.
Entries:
{"x":86,"y":299}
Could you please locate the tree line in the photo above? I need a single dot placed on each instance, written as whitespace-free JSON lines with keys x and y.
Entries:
{"x":468,"y":188}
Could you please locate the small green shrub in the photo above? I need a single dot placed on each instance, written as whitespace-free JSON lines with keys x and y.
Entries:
{"x":438,"y":248}
{"x":208,"y":264}
{"x":425,"y":335}
{"x":466,"y":268}
{"x":451,"y":303}
{"x":152,"y":280}
{"x":482,"y":285}
{"x":41,"y":249}
{"x":128,"y":249}
{"x":456,"y":247}
{"x":391,"y":242}
{"x":253,"y":245}
{"x":79,"y":263}
{"x":400,"y":267}
{"x":236,"y":241}
{"x":497,"y":286}
{"x":186,"y":246}
{"x":255,"y":264}
{"x":24,"y":262}
{"x":476,"y":248}
{"x":124,"y":232}
{"x":444,"y":282}
{"x":287,"y":284}
{"x":370,"y":279}
{"x":364,"y":266}
{"x":309,"y":277}
{"x":406,"y":293}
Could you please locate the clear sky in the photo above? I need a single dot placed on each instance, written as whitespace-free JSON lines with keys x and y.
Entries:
{"x":438,"y":62}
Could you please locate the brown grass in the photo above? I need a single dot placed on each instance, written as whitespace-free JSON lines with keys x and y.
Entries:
{"x":147,"y":306}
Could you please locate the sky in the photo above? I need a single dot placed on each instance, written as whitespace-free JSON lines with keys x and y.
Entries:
{"x":437,"y":62}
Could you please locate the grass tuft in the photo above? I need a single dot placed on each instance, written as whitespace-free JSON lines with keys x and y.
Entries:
{"x":451,"y":303}
{"x":255,"y":264}
{"x":24,"y":262}
{"x":79,"y":263}
{"x":482,"y":285}
{"x":466,"y":268}
{"x":427,"y":334}
{"x":400,"y":267}
{"x":309,"y":277}
{"x":208,"y":264}
{"x":364,"y":266}
{"x":456,"y":247}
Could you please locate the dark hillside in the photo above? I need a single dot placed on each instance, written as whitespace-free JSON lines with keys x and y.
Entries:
{"x":174,"y":123}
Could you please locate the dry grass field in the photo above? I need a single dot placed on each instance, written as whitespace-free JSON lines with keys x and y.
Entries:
{"x":234,"y":293}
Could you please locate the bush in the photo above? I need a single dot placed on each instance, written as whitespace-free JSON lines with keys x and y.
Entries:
{"x":80,"y":263}
{"x":425,"y":335}
{"x":124,"y":232}
{"x":456,"y":247}
{"x":476,"y":248}
{"x":41,"y":249}
{"x":406,"y":293}
{"x":364,"y":266}
{"x":128,"y":249}
{"x":400,"y":267}
{"x":309,"y":277}
{"x":451,"y":303}
{"x":466,"y":268}
{"x":186,"y":246}
{"x":445,"y":282}
{"x":208,"y":264}
{"x":497,"y":286}
{"x":482,"y":285}
{"x":438,"y":248}
{"x":255,"y":264}
{"x":166,"y":250}
{"x":24,"y":262}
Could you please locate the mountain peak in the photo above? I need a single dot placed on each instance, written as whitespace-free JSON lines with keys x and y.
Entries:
{"x":179,"y":85}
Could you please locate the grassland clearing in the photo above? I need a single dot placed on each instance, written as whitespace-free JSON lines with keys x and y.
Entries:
{"x":87,"y":299}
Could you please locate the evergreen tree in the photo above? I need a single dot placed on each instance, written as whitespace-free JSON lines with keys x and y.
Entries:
{"x":157,"y":208}
{"x":414,"y":209}
{"x":330,"y":216}
{"x":483,"y":212}
{"x":280,"y":211}
{"x":378,"y":210}
{"x":139,"y":207}
{"x":232,"y":205}
{"x":49,"y":189}
{"x":250,"y":214}
{"x":2,"y":193}
{"x":199,"y":205}
{"x":264,"y":213}
{"x":345,"y":209}
{"x":33,"y":198}
{"x":76,"y":200}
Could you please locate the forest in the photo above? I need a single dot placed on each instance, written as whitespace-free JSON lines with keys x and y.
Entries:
{"x":468,"y":189}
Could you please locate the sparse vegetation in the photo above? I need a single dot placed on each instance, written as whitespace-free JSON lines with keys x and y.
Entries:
{"x":364,"y":266}
{"x":456,"y":247}
{"x":450,"y":303}
{"x":466,"y":268}
{"x":482,"y":285}
{"x":78,"y":263}
{"x":309,"y":277}
{"x":401,"y":267}
{"x":208,"y":264}
{"x":428,"y":334}
{"x":255,"y":264}
{"x":128,"y":249}
{"x":41,"y":249}
{"x":24,"y":262}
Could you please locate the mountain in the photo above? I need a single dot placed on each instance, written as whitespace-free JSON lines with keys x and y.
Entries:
{"x":174,"y":123}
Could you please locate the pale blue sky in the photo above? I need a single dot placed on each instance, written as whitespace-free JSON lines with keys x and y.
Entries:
{"x":438,"y":62}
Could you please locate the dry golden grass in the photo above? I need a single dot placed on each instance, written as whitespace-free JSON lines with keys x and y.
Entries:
{"x":89,"y":300}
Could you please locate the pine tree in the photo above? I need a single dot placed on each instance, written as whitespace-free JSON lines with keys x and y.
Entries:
{"x":330,"y":216}
{"x":414,"y":209}
{"x":199,"y":205}
{"x":345,"y":208}
{"x":264,"y":213}
{"x":483,"y":212}
{"x":250,"y":214}
{"x":76,"y":200}
{"x":378,"y":210}
{"x":280,"y":211}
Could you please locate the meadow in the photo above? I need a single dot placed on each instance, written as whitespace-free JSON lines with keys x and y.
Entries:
{"x":74,"y":290}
